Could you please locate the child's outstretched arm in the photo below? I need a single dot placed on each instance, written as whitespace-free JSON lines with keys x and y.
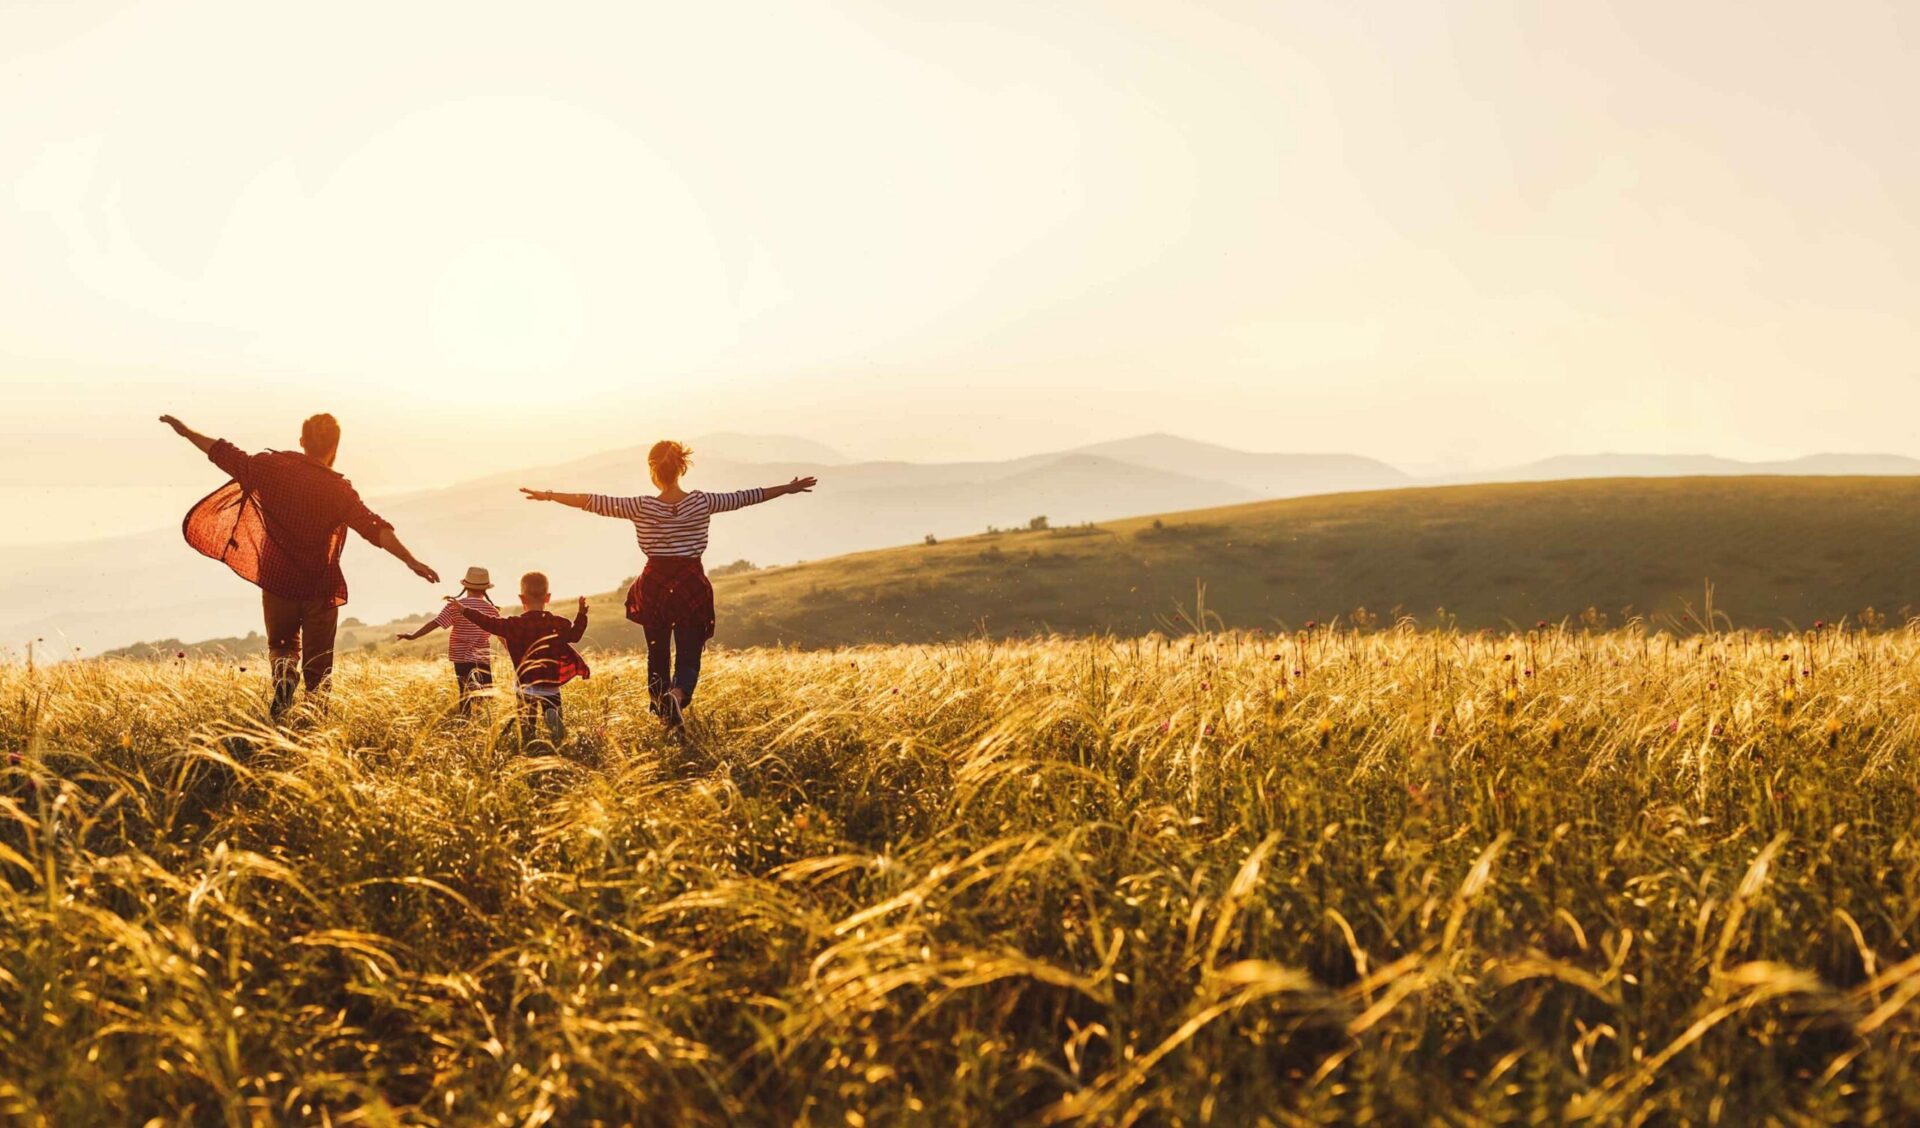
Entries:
{"x":492,"y":624}
{"x":443,"y":619}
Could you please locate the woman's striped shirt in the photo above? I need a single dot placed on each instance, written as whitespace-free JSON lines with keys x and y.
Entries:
{"x":677,"y":528}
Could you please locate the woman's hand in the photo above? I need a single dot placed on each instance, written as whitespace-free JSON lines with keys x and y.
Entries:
{"x":576,"y":500}
{"x":802,"y":485}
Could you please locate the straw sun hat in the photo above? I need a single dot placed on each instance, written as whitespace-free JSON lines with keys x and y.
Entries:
{"x":477,"y":579}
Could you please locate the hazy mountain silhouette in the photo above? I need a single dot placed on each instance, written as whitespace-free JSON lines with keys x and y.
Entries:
{"x":733,"y":446}
{"x":1267,"y":475}
{"x":1611,"y":465}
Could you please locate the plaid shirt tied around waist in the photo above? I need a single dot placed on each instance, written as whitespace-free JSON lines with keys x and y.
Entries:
{"x":672,"y":591}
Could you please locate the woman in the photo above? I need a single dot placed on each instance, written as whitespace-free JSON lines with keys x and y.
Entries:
{"x":672,"y":600}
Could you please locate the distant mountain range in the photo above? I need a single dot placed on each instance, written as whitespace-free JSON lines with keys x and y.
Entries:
{"x":84,"y":598}
{"x":1569,"y":466}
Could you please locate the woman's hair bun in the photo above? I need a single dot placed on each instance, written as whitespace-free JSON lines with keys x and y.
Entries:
{"x":668,"y":460}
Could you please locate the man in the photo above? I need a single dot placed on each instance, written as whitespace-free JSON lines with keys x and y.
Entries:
{"x":281,"y":524}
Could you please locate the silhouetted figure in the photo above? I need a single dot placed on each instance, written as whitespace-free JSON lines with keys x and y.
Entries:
{"x":281,"y":524}
{"x":541,"y":646}
{"x":672,"y":599}
{"x":469,"y":648}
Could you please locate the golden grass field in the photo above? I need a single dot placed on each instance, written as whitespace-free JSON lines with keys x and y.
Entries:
{"x":1397,"y":877}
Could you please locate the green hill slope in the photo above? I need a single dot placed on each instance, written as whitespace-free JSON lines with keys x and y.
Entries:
{"x":1777,"y":549}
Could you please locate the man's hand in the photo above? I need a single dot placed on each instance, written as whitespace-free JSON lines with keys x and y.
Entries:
{"x":424,"y":572}
{"x":537,"y":495}
{"x":403,"y":638}
{"x":188,"y":433}
{"x":802,"y":485}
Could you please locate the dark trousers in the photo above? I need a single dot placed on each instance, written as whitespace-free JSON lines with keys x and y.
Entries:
{"x":541,"y":719}
{"x":299,"y":645}
{"x":685,"y":665}
{"x":473,"y":677}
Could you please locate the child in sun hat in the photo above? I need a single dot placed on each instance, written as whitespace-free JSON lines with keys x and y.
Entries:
{"x":469,"y":648}
{"x":541,"y":646}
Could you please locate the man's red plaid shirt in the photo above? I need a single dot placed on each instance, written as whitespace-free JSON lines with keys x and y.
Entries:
{"x":281,"y":523}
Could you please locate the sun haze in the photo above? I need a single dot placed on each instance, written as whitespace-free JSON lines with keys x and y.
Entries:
{"x":487,"y":236}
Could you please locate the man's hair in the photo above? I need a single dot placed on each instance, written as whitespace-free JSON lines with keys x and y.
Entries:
{"x":320,"y":435}
{"x":533,"y":583}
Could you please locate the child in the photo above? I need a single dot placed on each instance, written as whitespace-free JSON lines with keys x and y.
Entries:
{"x":469,"y":648}
{"x":541,"y":646}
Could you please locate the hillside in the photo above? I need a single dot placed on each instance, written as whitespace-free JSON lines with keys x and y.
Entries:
{"x":1778,"y":550}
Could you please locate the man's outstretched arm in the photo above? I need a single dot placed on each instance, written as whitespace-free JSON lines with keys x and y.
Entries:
{"x":188,"y":433}
{"x":387,"y":540}
{"x":380,"y":534}
{"x":221,"y":453}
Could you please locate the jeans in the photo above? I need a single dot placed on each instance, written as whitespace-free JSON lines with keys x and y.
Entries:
{"x":541,"y":719}
{"x":687,"y":640}
{"x":299,"y":645}
{"x":473,"y":677}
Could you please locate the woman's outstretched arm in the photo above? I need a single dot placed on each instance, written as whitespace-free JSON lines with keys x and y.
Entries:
{"x":740,"y":499}
{"x":600,"y":505}
{"x":578,"y":501}
{"x":798,"y":485}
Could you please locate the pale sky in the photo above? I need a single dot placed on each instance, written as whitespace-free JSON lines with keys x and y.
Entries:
{"x":1442,"y":234}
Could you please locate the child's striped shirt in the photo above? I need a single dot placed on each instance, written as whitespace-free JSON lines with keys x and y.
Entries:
{"x":466,"y":642}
